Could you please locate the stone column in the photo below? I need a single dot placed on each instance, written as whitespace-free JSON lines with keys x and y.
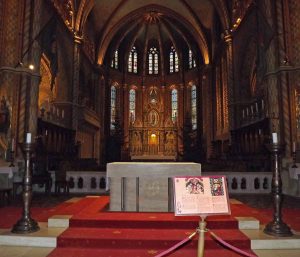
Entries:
{"x":35,"y":54}
{"x":271,"y":81}
{"x":208,"y":112}
{"x":12,"y":13}
{"x":230,"y":97}
{"x":284,"y":100}
{"x":75,"y":86}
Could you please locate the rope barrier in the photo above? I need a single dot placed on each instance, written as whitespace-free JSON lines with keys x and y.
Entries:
{"x":177,"y":245}
{"x":220,"y":240}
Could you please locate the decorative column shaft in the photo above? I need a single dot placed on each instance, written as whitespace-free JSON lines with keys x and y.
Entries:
{"x":284,"y":87}
{"x":75,"y":88}
{"x":230,"y":92}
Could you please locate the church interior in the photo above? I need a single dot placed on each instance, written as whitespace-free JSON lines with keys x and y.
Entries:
{"x":86,"y":83}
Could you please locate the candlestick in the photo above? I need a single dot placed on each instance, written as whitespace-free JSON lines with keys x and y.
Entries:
{"x":26,"y":224}
{"x":13,"y":145}
{"x":277,"y":227}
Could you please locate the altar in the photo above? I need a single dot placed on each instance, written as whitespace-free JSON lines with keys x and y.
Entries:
{"x":145,"y":186}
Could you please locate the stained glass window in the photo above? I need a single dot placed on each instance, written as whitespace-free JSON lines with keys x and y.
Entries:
{"x":174,"y":100}
{"x":173,"y":60}
{"x":132,"y":105}
{"x":194,"y":106}
{"x":153,"y":59}
{"x":115,"y":61}
{"x":113,"y":99}
{"x":132,"y":60}
{"x":192,"y":61}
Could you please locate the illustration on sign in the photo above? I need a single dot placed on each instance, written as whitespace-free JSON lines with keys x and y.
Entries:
{"x":201,"y":195}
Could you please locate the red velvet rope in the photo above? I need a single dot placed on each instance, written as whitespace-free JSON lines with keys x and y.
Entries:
{"x":220,"y":240}
{"x":176,"y":246}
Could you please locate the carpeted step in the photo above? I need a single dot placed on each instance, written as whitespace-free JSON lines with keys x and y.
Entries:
{"x":78,"y":206}
{"x":149,"y":220}
{"x":144,"y":238}
{"x":117,"y":252}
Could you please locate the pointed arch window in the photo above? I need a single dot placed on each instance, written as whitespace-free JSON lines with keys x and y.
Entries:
{"x":133,"y":60}
{"x":115,"y":60}
{"x":174,"y":101}
{"x":194,"y":106}
{"x":173,"y":60}
{"x":153,"y":58}
{"x":113,"y":106}
{"x":192,"y":61}
{"x":132,"y":103}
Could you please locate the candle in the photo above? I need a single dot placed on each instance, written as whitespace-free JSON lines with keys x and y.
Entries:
{"x":294,"y":147}
{"x":251,"y":109}
{"x":262,"y":104}
{"x":12,"y":144}
{"x":256,"y":107}
{"x":28,"y":138}
{"x":243,"y":113}
{"x":274,"y":138}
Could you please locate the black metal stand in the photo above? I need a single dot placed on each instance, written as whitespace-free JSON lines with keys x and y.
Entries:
{"x":26,"y":224}
{"x":277,"y":227}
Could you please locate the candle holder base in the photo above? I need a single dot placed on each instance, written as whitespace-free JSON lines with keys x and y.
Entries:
{"x":279,"y":229}
{"x":25,"y":225}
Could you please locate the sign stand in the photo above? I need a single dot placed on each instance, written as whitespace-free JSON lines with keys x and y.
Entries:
{"x":201,"y":239}
{"x":203,"y":196}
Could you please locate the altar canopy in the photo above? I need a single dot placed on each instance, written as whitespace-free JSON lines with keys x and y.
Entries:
{"x":145,"y":186}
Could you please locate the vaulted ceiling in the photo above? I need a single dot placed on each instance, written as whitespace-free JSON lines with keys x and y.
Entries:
{"x":189,"y":21}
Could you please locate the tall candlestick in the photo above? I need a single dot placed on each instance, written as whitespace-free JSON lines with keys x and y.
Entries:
{"x":274,"y":138}
{"x":28,"y":138}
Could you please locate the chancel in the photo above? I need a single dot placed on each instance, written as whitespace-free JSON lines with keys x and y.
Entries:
{"x":103,"y":103}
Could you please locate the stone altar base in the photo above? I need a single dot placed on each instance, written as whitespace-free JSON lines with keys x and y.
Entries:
{"x":145,"y":186}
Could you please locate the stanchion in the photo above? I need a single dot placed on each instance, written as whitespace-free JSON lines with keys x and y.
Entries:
{"x":26,"y":224}
{"x":277,"y":227}
{"x":201,"y":238}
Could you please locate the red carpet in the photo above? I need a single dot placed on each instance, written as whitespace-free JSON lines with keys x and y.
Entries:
{"x":96,"y":232}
